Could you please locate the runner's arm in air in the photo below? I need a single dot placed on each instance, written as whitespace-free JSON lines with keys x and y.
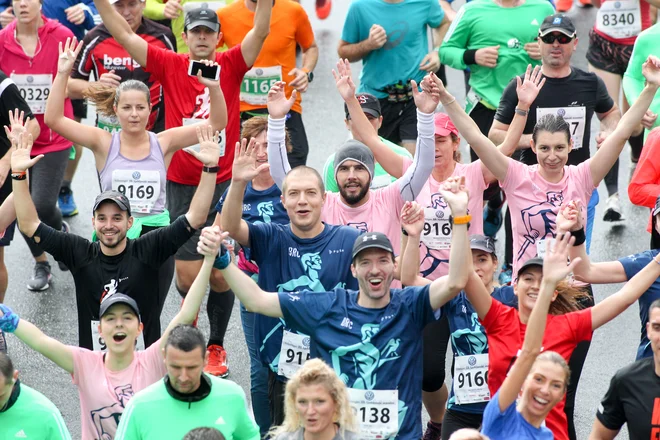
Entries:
{"x":176,"y":138}
{"x":254,"y":40}
{"x":95,"y":139}
{"x":644,"y":187}
{"x":391,"y":162}
{"x":34,"y":338}
{"x":278,"y":107}
{"x":554,"y":271}
{"x":412,"y":221}
{"x":460,"y":257}
{"x":120,"y":30}
{"x":243,"y":171}
{"x":26,"y":213}
{"x":611,"y":147}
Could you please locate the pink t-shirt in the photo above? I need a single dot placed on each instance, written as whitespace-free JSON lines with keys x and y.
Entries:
{"x":104,"y":394}
{"x":436,"y":237}
{"x":534,"y":203}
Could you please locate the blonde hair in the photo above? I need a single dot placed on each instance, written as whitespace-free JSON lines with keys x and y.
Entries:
{"x":315,"y":372}
{"x":569,"y":299}
{"x":256,"y":125}
{"x":557,"y":359}
{"x":107,"y":97}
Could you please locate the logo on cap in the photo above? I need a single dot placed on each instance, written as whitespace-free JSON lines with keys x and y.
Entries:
{"x":368,"y":237}
{"x":362,"y":99}
{"x":557,"y":20}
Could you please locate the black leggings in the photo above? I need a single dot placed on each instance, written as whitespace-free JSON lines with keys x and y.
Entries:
{"x":455,"y":420}
{"x":434,"y":342}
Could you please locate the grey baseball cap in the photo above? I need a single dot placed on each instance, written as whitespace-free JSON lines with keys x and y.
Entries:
{"x":536,"y":261}
{"x":113,"y":196}
{"x":482,"y":243}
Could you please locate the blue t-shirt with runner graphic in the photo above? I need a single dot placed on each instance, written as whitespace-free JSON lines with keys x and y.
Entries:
{"x":468,"y":336}
{"x":370,"y":349}
{"x":288,"y":263}
{"x":632,"y":264}
{"x":260,"y":206}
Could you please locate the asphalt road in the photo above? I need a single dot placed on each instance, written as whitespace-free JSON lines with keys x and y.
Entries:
{"x":53,"y":311}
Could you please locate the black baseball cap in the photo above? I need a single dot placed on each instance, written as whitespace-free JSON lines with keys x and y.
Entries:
{"x":369,"y":103}
{"x":202,"y":17}
{"x":371,"y":240}
{"x":118,"y":298}
{"x":536,"y":261}
{"x":558,"y":23}
{"x":482,"y":243}
{"x":656,"y":210}
{"x":113,"y":196}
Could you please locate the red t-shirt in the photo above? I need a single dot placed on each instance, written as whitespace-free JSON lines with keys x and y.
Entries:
{"x":185,"y":97}
{"x":506,"y":335}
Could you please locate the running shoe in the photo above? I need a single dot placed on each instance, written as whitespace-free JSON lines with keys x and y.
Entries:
{"x":217,"y":364}
{"x":613,"y":209}
{"x":433,"y":431}
{"x":492,"y":220}
{"x":66,"y":229}
{"x":41,"y":277}
{"x":505,"y":275}
{"x":3,"y":343}
{"x":323,"y":8}
{"x":66,"y":203}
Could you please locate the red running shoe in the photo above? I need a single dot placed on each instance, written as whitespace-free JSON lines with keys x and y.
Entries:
{"x":217,"y":365}
{"x":323,"y":8}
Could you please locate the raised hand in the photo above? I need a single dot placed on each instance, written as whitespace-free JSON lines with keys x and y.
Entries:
{"x":445,"y":96}
{"x":68,"y":55}
{"x":651,"y":70}
{"x":20,"y":157}
{"x":209,"y":148}
{"x":427,"y":100}
{"x":344,"y":80}
{"x":245,"y":160}
{"x":456,"y":195}
{"x":16,"y":125}
{"x":529,"y":88}
{"x":555,"y":267}
{"x":278,"y":104}
{"x":412,"y":218}
{"x":207,"y":82}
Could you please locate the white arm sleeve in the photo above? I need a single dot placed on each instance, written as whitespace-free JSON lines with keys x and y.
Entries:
{"x":277,"y":158}
{"x":412,"y":182}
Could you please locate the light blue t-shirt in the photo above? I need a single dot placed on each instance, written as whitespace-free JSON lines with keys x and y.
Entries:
{"x":407,"y":40}
{"x":288,"y":263}
{"x":510,"y":424}
{"x":369,"y":349}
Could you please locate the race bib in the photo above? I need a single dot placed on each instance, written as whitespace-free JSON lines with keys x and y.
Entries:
{"x":34,"y":89}
{"x":189,"y":6}
{"x":294,"y":353}
{"x":377,"y":412}
{"x":222,"y":141}
{"x":620,"y":18}
{"x":575,"y":117}
{"x":98,"y":344}
{"x":542,"y":246}
{"x":471,"y":379}
{"x":257,"y":82}
{"x":437,"y":230}
{"x":142,"y":188}
{"x":108,"y":123}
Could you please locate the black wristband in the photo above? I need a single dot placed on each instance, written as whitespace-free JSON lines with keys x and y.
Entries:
{"x":404,"y":232}
{"x":470,"y":56}
{"x":580,"y":237}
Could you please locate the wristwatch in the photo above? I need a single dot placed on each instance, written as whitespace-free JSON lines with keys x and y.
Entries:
{"x":214,"y":169}
{"x":521,"y":112}
{"x":310,"y":75}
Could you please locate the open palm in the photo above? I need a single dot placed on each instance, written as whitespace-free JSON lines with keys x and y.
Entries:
{"x":278,"y":104}
{"x":529,"y":88}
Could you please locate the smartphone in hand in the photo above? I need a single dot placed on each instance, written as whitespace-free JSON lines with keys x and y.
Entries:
{"x":210,"y":72}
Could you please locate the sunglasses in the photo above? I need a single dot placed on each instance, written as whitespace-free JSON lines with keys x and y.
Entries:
{"x":551,"y":38}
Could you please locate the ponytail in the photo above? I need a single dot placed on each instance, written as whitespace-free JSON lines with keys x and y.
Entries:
{"x":107,"y":97}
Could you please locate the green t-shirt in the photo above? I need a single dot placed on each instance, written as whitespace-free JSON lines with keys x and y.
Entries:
{"x":154,"y":10}
{"x":153,"y":414}
{"x":381,"y":178}
{"x":473,"y":29}
{"x":33,"y":416}
{"x":647,"y":43}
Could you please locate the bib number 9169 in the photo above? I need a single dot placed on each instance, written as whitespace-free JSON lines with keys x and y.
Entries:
{"x":136,"y":192}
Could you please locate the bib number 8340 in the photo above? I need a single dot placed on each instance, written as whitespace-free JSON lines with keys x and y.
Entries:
{"x":140,"y":192}
{"x":618,"y":19}
{"x":472,"y":379}
{"x":372,"y":415}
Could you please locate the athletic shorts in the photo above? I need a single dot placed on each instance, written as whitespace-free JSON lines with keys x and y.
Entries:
{"x":79,"y":108}
{"x":5,"y":190}
{"x":399,"y":121}
{"x":178,"y":202}
{"x":605,"y":55}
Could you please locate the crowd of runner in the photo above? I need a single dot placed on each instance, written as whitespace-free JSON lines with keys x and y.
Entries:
{"x":352,"y":282}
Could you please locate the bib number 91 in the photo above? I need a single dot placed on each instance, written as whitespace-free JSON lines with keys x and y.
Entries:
{"x":292,"y":354}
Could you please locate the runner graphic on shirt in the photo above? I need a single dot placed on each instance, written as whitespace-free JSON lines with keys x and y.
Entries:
{"x":366,"y":359}
{"x":110,"y":415}
{"x":360,"y":226}
{"x":470,"y":337}
{"x":202,"y":105}
{"x":545,"y":210}
{"x":266,"y":210}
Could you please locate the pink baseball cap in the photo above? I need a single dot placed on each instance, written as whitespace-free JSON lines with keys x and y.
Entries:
{"x":443,"y":125}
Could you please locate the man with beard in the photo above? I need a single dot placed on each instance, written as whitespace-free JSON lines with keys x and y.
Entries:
{"x":114,"y":263}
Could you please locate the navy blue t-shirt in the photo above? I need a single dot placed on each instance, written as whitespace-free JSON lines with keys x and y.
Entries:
{"x":288,"y":263}
{"x":468,"y":336}
{"x":370,"y":349}
{"x":632,"y":264}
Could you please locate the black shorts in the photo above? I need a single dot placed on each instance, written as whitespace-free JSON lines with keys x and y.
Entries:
{"x":5,"y":190}
{"x":608,"y":56}
{"x":399,"y":121}
{"x":455,"y":420}
{"x":79,"y":108}
{"x":296,"y":130}
{"x":178,"y":202}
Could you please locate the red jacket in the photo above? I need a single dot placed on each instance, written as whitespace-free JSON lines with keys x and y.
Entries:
{"x":13,"y":60}
{"x":644,"y":187}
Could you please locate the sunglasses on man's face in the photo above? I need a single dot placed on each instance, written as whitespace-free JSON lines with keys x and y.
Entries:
{"x":551,"y":38}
